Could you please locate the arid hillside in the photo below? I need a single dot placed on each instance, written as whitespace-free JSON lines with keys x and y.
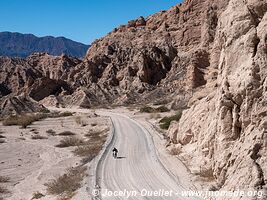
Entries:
{"x":205,"y":57}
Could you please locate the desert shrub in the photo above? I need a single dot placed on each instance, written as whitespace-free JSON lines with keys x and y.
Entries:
{"x":160,"y":102}
{"x":166,"y":121}
{"x":87,"y":150}
{"x":51,"y":132}
{"x":70,"y":141}
{"x":66,"y":133}
{"x":66,"y":114}
{"x":37,"y":195}
{"x":44,"y":110}
{"x":2,"y":141}
{"x":94,"y":124}
{"x":22,"y":120}
{"x":68,"y":182}
{"x":147,"y":109}
{"x":4,"y":179}
{"x":38,"y":137}
{"x":78,"y":120}
{"x":155,"y":116}
{"x":162,"y":109}
{"x":3,"y":190}
{"x":175,"y":151}
{"x":2,"y":136}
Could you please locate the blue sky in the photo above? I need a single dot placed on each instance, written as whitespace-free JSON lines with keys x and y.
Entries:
{"x":79,"y":20}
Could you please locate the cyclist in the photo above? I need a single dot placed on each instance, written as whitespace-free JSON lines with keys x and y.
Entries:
{"x":115,"y":152}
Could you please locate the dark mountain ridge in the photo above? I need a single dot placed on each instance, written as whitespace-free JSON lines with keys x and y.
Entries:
{"x":22,"y":45}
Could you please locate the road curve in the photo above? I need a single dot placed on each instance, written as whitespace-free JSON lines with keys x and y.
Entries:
{"x":137,"y":169}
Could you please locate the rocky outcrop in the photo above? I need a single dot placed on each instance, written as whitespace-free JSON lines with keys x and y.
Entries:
{"x":39,"y":75}
{"x":167,"y":52}
{"x":223,"y":132}
{"x":19,"y":105}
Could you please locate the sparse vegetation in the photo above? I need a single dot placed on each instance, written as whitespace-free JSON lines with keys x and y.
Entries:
{"x":3,"y":190}
{"x":68,"y":182}
{"x":79,"y":121}
{"x":44,"y":110}
{"x":2,"y":136}
{"x":149,"y":109}
{"x":166,"y":121}
{"x":22,"y":120}
{"x":4,"y":179}
{"x":94,"y":124}
{"x":65,"y":114}
{"x":162,"y":109}
{"x":38,"y":137}
{"x":37,"y":195}
{"x":66,"y":133}
{"x":155,"y":116}
{"x":51,"y":132}
{"x":207,"y":174}
{"x":91,"y":148}
{"x":175,"y":151}
{"x":70,"y":141}
{"x":2,"y":141}
{"x":89,"y":151}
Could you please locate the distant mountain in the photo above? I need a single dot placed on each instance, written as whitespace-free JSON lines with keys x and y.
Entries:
{"x":22,"y":45}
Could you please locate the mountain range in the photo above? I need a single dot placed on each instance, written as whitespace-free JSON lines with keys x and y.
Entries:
{"x":22,"y":45}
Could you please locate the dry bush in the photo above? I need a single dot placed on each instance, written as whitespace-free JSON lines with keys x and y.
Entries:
{"x":67,"y":196}
{"x":68,"y":182}
{"x":94,"y":124}
{"x":3,"y":190}
{"x":51,"y":132}
{"x":65,"y":114}
{"x":37,"y":195}
{"x":69,"y":142}
{"x":92,"y":147}
{"x":4,"y":179}
{"x":38,"y":137}
{"x":2,"y":136}
{"x":155,"y":116}
{"x":87,"y":151}
{"x":78,"y":120}
{"x":149,"y":109}
{"x":206,"y":173}
{"x":22,"y":120}
{"x":2,"y":141}
{"x":165,"y":122}
{"x":66,"y":133}
{"x":175,"y":151}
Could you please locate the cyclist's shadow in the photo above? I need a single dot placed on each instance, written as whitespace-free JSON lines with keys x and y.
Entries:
{"x":121,"y":157}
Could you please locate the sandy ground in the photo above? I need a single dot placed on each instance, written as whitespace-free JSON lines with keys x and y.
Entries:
{"x":138,"y":168}
{"x":30,"y":163}
{"x":144,"y":161}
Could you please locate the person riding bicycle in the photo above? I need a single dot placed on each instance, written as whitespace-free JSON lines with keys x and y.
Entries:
{"x":115,"y":152}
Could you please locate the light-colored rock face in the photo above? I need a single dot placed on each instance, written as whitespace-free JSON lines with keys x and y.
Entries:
{"x":207,"y":55}
{"x":229,"y":124}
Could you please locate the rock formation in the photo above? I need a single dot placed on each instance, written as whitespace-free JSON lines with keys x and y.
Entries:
{"x":206,"y":56}
{"x":227,"y":118}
